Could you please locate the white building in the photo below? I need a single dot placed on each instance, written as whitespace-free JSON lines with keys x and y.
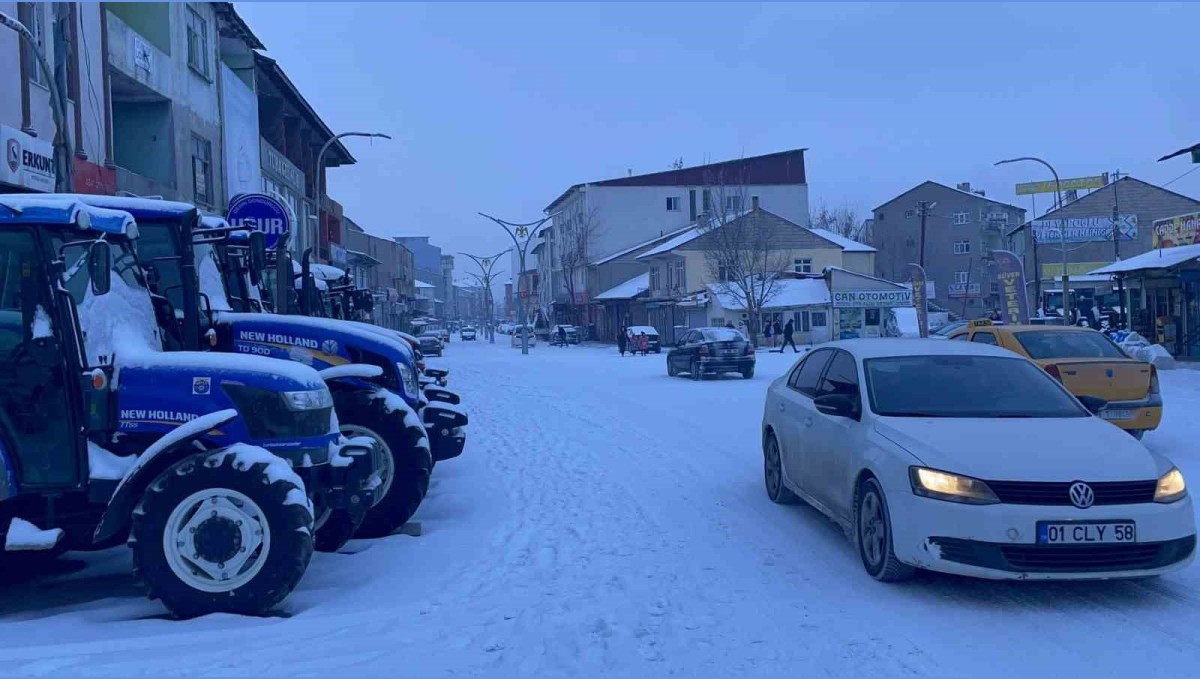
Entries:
{"x":606,"y":217}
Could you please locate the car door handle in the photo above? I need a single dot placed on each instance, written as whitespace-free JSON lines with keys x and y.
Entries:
{"x":808,"y":421}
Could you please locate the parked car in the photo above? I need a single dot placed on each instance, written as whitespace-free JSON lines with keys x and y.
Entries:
{"x":934,"y":455}
{"x":943,"y":332}
{"x":516,"y":336}
{"x":467,"y":334}
{"x":651,"y":334}
{"x":711,"y":351}
{"x":1087,"y":363}
{"x":444,"y":334}
{"x":431,"y":343}
{"x":571,"y":331}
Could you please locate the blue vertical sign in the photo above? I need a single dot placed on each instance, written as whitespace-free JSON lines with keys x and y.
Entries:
{"x":260,"y":212}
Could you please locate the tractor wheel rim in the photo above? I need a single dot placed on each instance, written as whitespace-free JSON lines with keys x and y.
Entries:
{"x":383,"y":455}
{"x":216,"y":540}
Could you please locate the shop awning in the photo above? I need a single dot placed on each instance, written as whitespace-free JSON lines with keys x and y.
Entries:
{"x":1155,"y":259}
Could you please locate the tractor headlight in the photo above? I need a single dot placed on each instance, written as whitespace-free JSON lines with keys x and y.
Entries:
{"x":314,"y":399}
{"x":408,"y":380}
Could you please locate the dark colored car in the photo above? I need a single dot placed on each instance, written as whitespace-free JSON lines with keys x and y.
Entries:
{"x":651,"y":336}
{"x":711,"y":351}
{"x":431,"y":343}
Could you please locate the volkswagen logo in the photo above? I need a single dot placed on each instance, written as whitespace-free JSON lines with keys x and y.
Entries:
{"x":1082,"y":495}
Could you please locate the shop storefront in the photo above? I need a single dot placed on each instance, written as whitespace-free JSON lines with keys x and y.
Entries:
{"x":285,"y":181}
{"x":861,"y":305}
{"x":28,"y":162}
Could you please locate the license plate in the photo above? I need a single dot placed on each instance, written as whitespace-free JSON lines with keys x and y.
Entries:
{"x":729,"y":352}
{"x":1077,"y":533}
{"x":1116,"y":414}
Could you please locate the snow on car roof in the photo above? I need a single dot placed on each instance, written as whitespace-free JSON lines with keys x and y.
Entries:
{"x":648,"y":329}
{"x":63,"y":209}
{"x":902,"y":346}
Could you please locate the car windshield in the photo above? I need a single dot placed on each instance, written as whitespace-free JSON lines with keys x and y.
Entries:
{"x":965,"y":386}
{"x":1041,"y":344}
{"x":723,"y":335}
{"x":945,"y":330}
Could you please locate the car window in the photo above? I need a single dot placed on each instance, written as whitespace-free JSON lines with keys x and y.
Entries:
{"x":985,"y":338}
{"x":808,"y":373}
{"x":722,"y":335}
{"x":841,"y":377}
{"x":1067,"y":344}
{"x":961,"y":336}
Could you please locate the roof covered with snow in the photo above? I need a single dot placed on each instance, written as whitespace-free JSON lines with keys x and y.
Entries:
{"x":626,"y":251}
{"x":846,"y":244}
{"x":63,"y":209}
{"x":422,"y":284}
{"x":789,"y":292}
{"x":1164,"y":258}
{"x":627,"y":290}
{"x":691,"y":233}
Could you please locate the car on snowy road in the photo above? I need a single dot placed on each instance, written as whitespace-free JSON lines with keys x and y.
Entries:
{"x":711,"y":351}
{"x":651,"y":336}
{"x":467,"y":334}
{"x":431,"y":343}
{"x":967,"y":458}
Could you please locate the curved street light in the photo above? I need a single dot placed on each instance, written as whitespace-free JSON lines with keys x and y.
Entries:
{"x":1062,"y":230}
{"x":321,"y":173}
{"x":485,"y":267}
{"x":522,"y":236}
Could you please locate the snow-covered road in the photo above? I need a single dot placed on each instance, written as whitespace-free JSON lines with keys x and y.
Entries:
{"x":608,"y":519}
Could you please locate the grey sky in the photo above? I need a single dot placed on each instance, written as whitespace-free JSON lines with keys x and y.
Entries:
{"x":499,"y":107}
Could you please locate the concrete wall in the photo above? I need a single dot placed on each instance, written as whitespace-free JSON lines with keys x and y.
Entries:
{"x":145,"y":129}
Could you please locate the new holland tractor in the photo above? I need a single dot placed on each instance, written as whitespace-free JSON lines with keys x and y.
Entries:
{"x":211,"y":467}
{"x":372,"y":377}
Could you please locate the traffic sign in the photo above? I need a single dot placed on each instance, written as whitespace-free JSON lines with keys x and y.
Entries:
{"x":260,"y":212}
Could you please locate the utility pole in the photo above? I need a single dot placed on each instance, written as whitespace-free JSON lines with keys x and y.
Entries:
{"x":923,"y":210}
{"x":1116,"y":234}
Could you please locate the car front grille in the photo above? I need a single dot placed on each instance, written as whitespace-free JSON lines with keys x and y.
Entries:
{"x":1026,"y":558}
{"x":1059,"y":493}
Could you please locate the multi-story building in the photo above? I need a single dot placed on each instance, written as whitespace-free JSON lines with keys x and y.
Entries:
{"x":427,"y":268}
{"x":384,"y":267}
{"x":446,"y":286}
{"x":962,"y":228}
{"x":594,"y":220}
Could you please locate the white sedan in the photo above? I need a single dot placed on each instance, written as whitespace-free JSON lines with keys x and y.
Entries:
{"x":966,"y":458}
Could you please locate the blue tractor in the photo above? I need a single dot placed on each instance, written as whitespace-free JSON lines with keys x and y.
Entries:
{"x":372,"y":375}
{"x":211,"y":467}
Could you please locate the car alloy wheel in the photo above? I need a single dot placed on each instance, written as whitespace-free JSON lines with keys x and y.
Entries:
{"x":872,"y":530}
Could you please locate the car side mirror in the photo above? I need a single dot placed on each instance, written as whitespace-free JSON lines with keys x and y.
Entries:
{"x":1093,"y":404}
{"x":100,"y":267}
{"x":258,"y":255}
{"x":837,"y":405}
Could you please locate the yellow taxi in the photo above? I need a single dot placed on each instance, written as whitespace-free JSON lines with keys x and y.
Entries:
{"x":1087,"y":363}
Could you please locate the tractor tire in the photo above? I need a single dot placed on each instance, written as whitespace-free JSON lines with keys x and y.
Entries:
{"x":337,"y":530}
{"x":402,"y":440}
{"x":246,"y":503}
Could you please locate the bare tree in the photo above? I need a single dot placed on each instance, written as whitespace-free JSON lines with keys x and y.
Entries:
{"x":741,"y":248}
{"x":843,"y":221}
{"x":576,"y":237}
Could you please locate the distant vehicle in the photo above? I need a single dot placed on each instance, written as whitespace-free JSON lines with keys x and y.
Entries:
{"x":516,"y":336}
{"x":467,"y":334}
{"x":711,"y":351}
{"x":431,"y":343}
{"x":1087,"y":363}
{"x":651,"y":334}
{"x":571,"y":331}
{"x":943,"y":332}
{"x":966,"y":458}
{"x":444,"y":334}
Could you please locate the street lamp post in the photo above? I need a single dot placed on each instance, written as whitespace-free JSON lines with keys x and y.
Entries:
{"x":485,"y":267}
{"x":62,"y":141}
{"x":1062,"y":230}
{"x":518,"y":232}
{"x":321,"y":173}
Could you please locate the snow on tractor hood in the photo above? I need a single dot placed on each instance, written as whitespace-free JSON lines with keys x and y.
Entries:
{"x":320,"y":342}
{"x":273,"y":373}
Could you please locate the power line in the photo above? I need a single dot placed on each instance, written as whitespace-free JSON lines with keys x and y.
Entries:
{"x":1181,"y":176}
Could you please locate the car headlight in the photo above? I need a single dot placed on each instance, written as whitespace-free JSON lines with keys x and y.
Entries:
{"x":315,"y":399}
{"x":408,"y":379}
{"x":1171,"y":487}
{"x":950,"y":487}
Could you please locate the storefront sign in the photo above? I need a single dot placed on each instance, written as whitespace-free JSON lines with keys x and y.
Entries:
{"x":96,"y":179}
{"x":920,"y":290}
{"x":1010,"y":272}
{"x":964,"y":290}
{"x":337,"y":254}
{"x":1055,"y":269}
{"x":259,"y":212}
{"x":1181,"y":230}
{"x":1084,"y":229}
{"x":1075,"y":184}
{"x":28,"y":161}
{"x":277,"y":164}
{"x":857,"y":299}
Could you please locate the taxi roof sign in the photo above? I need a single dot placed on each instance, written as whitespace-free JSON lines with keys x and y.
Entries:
{"x":980,"y":323}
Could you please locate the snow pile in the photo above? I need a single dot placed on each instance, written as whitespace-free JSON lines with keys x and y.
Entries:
{"x":211,"y":282}
{"x":122,"y":318}
{"x":1141,"y":349}
{"x":26,"y":537}
{"x":41,"y":324}
{"x":105,"y":465}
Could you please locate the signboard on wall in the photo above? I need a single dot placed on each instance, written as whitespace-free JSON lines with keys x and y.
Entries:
{"x":1084,"y":229}
{"x":1181,"y":230}
{"x":28,"y":161}
{"x":964,"y":290}
{"x":1075,"y":184}
{"x":860,"y":299}
{"x":260,"y":212}
{"x":239,"y":111}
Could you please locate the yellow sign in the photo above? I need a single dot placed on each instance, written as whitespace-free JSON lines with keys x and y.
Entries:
{"x":1073,"y":268}
{"x":980,"y":323}
{"x":1097,"y":182}
{"x":1181,"y":230}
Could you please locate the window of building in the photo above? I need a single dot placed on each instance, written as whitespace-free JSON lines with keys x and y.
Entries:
{"x":961,"y":277}
{"x":802,"y":265}
{"x":962,"y":217}
{"x":962,"y":247}
{"x":724,"y":274}
{"x":675,"y":276}
{"x":706,"y":201}
{"x":202,"y":179}
{"x":733,"y":203}
{"x":880,"y":216}
{"x":818,"y":319}
{"x":654,"y":278}
{"x":909,"y":214}
{"x":673,"y":203}
{"x":32,"y":15}
{"x":197,"y":43}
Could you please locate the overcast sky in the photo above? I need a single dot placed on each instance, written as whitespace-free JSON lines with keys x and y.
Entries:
{"x":498,"y":108}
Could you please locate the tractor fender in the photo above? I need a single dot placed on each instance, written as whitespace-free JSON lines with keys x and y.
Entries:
{"x":363,"y":370}
{"x":157,"y":458}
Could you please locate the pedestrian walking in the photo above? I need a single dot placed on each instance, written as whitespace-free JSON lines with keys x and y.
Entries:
{"x":562,"y":336}
{"x":622,"y":341}
{"x":769,"y":331}
{"x":643,"y":344}
{"x":778,"y":331}
{"x":788,"y":330}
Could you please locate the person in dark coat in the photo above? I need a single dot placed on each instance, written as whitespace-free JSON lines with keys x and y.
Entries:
{"x":562,"y":336}
{"x":787,"y":337}
{"x":622,"y":340}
